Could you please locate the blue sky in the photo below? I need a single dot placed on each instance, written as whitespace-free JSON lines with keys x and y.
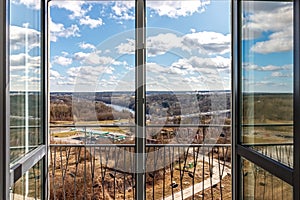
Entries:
{"x":267,"y":47}
{"x":188,"y":45}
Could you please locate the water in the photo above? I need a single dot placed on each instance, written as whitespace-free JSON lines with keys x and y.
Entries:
{"x":120,"y":108}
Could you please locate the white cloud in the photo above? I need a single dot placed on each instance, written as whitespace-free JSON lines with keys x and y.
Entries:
{"x":251,"y":67}
{"x":33,"y":4}
{"x":88,"y":75}
{"x":280,"y":74}
{"x":81,"y":56}
{"x":84,"y":45}
{"x":184,"y":74}
{"x":64,"y":53}
{"x":261,"y":19}
{"x":126,"y":48}
{"x":92,"y":23}
{"x":75,"y":7}
{"x":22,"y":60}
{"x":156,"y":68}
{"x":207,"y":65}
{"x":74,"y":71}
{"x":275,"y":19}
{"x":18,"y":83}
{"x":123,"y":10}
{"x":205,"y":43}
{"x":79,"y":11}
{"x":193,"y":72}
{"x":161,"y":43}
{"x":20,"y":35}
{"x":278,"y":42}
{"x":59,"y":30}
{"x":182,"y":66}
{"x":54,"y":74}
{"x":208,"y":42}
{"x":95,"y":59}
{"x":175,"y":9}
{"x":269,"y":68}
{"x":267,"y":85}
{"x":66,"y":82}
{"x":192,"y":30}
{"x":61,"y":60}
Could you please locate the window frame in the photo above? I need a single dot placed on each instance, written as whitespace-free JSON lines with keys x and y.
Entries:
{"x":4,"y":103}
{"x":292,"y":176}
{"x":140,"y":97}
{"x":140,"y":92}
{"x":296,"y":43}
{"x":289,"y":175}
{"x":12,"y":172}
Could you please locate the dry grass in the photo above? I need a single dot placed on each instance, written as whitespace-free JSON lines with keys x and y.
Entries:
{"x":64,"y":134}
{"x":260,"y":184}
{"x":74,"y":172}
{"x":221,"y":191}
{"x":186,"y":182}
{"x":71,"y":175}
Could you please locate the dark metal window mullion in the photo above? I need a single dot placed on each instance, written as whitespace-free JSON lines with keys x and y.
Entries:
{"x":40,"y":153}
{"x":44,"y":96}
{"x":140,"y":91}
{"x":4,"y":101}
{"x":27,"y":162}
{"x":238,"y":150}
{"x":235,"y":92}
{"x":296,"y":107}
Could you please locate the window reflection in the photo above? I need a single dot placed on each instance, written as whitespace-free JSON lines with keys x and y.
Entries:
{"x":260,"y":184}
{"x":267,"y":77}
{"x":29,"y":186}
{"x":25,"y":74}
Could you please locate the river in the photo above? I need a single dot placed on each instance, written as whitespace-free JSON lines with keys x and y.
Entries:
{"x":119,"y":108}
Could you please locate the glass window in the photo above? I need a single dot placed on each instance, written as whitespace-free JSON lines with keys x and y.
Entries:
{"x":29,"y":186}
{"x":260,"y":184}
{"x":188,"y":71}
{"x":188,"y":48}
{"x":92,"y":75}
{"x":25,"y":77}
{"x":267,"y":78}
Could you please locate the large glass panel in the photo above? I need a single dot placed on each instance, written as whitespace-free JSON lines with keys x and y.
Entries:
{"x":260,"y":184}
{"x":29,"y":186}
{"x":188,"y":71}
{"x":92,"y":99}
{"x":25,"y":77}
{"x":92,"y":75}
{"x":187,"y":95}
{"x":267,"y":78}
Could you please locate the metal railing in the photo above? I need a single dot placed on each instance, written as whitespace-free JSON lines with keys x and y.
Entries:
{"x":93,"y":171}
{"x":89,"y":170}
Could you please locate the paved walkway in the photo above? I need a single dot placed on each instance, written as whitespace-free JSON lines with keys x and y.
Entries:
{"x":14,"y":196}
{"x":188,"y":192}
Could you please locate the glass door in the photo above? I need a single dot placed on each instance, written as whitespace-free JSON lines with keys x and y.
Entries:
{"x":264,"y":81}
{"x":187,"y":98}
{"x":28,"y":99}
{"x":140,"y":99}
{"x":92,"y":99}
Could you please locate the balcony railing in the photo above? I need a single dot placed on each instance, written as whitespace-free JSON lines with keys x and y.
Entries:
{"x":89,"y":170}
{"x":94,"y":171}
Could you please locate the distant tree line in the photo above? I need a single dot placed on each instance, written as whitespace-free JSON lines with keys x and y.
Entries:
{"x":263,"y":108}
{"x":65,"y":109}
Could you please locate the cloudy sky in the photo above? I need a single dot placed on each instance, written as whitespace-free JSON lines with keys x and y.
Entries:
{"x":267,"y":47}
{"x":92,"y":45}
